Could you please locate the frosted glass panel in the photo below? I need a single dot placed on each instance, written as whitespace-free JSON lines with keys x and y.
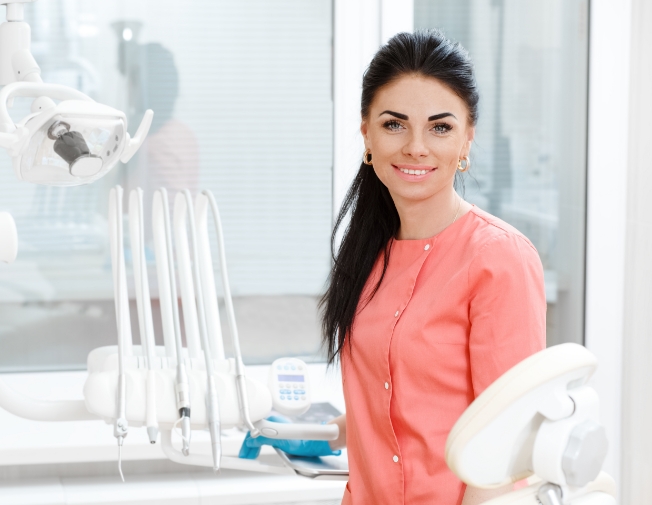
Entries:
{"x":242,"y":99}
{"x":529,"y":158}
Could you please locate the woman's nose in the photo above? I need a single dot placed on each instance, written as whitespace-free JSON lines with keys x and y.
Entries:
{"x":416,"y":146}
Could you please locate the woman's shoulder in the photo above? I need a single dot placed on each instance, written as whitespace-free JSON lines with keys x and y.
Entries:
{"x":487,"y":230}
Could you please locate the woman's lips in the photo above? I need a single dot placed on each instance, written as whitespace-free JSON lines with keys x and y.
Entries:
{"x":419,"y":172}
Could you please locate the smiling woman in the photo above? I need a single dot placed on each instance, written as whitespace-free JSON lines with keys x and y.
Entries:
{"x":415,"y":145}
{"x":430,"y":299}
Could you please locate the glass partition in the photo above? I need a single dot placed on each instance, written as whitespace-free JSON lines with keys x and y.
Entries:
{"x":243,"y":107}
{"x":529,"y":157}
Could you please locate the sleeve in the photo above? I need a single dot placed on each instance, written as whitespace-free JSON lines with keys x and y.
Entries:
{"x":507,"y":308}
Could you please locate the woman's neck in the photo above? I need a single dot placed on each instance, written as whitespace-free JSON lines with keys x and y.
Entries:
{"x":427,"y":218}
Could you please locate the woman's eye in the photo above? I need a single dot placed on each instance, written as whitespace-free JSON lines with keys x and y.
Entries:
{"x":442,"y":128}
{"x":392,"y":125}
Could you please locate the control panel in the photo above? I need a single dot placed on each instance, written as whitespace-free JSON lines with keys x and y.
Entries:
{"x":290,"y":386}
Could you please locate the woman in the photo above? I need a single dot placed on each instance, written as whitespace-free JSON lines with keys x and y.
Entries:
{"x":430,"y":298}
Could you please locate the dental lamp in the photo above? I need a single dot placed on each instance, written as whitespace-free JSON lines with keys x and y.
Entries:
{"x":72,"y":142}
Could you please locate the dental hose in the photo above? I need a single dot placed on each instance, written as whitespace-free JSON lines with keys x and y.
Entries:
{"x":121,"y":426}
{"x":145,"y":317}
{"x":212,"y":400}
{"x":239,"y":364}
{"x":182,"y":389}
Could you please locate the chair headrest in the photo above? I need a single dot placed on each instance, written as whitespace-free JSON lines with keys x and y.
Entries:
{"x":492,"y":443}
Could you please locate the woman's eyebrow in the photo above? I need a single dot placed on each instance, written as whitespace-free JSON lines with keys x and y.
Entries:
{"x":440,"y":116}
{"x":404,"y":117}
{"x":395,"y":114}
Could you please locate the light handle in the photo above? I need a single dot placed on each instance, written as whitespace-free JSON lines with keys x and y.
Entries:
{"x":137,"y":140}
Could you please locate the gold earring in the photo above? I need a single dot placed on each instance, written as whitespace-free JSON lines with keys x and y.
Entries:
{"x":366,"y":157}
{"x":466,"y":166}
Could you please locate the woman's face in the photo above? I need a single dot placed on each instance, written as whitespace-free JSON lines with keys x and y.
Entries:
{"x":417,"y":124}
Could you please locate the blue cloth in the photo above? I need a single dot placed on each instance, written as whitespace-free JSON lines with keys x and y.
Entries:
{"x":308,"y":448}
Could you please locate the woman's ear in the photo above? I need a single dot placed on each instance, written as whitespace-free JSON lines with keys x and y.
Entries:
{"x":470,"y":135}
{"x":364,"y":130}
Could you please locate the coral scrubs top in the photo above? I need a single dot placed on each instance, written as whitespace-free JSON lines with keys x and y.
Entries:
{"x":452,"y":314}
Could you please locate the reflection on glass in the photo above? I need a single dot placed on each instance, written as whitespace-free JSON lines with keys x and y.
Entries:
{"x":529,"y":164}
{"x":242,"y":99}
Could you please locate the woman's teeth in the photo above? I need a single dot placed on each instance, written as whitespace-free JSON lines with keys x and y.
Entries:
{"x":414,"y":172}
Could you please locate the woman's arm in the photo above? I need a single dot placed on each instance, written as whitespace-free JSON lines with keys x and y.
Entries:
{"x":475,"y":496}
{"x":340,"y":441}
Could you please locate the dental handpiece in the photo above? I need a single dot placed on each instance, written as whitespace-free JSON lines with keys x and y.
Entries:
{"x":121,"y":426}
{"x":182,"y":389}
{"x":137,"y":230}
{"x":212,"y":400}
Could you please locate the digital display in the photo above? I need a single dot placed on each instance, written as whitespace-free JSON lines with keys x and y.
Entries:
{"x":290,"y":378}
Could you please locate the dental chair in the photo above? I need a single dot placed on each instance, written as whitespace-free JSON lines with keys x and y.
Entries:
{"x":540,"y":422}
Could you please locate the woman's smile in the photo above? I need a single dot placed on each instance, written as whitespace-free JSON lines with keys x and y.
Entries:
{"x":413,"y":173}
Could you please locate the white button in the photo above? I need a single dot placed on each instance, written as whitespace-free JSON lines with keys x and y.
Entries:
{"x":395,"y":458}
{"x":396,"y":314}
{"x":427,"y":247}
{"x":270,"y":432}
{"x":387,"y":385}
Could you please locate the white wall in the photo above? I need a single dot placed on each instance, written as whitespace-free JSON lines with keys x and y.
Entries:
{"x":606,"y":207}
{"x":636,"y":474}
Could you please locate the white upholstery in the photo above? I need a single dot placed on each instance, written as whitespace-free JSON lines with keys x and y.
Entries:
{"x":523,"y":422}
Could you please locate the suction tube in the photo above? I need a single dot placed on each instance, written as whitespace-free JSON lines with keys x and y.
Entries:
{"x":212,"y":400}
{"x":233,"y":328}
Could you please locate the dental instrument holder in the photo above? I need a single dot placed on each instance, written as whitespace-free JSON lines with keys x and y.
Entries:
{"x":115,"y":389}
{"x":540,"y":418}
